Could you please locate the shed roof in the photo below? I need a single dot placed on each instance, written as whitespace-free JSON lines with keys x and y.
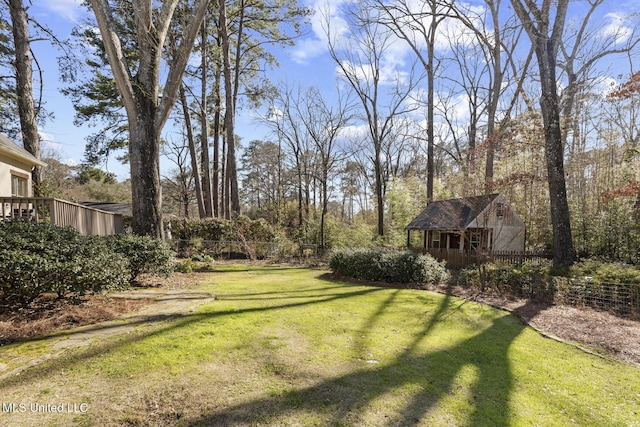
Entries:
{"x":451,"y":214}
{"x":12,"y":149}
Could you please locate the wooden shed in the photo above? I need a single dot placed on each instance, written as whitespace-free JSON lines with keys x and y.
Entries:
{"x":471,"y":224}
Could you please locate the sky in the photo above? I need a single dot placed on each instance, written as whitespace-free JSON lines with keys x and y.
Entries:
{"x":308,"y":63}
{"x":68,"y":140}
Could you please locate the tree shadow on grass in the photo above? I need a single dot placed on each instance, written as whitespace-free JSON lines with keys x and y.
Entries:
{"x":433,"y":376}
{"x":154,"y":326}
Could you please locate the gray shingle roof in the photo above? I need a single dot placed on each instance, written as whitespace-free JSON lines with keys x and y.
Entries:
{"x":451,"y":214}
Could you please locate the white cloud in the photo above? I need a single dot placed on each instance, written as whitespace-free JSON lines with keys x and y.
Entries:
{"x":69,"y":9}
{"x":47,"y":143}
{"x":70,"y":161}
{"x":326,"y":12}
{"x":605,"y":85}
{"x":615,"y":27}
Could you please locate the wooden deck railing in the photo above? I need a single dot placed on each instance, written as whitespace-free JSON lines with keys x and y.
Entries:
{"x":88,"y":221}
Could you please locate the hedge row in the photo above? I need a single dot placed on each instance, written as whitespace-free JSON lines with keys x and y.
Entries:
{"x":242,"y":228}
{"x":38,"y":258}
{"x":593,"y":283}
{"x":525,"y":281}
{"x":387,"y":265}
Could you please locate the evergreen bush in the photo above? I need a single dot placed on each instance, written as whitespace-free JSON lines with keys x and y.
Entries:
{"x":526,"y":280}
{"x":39,"y":258}
{"x":144,"y":254}
{"x":387,"y":265}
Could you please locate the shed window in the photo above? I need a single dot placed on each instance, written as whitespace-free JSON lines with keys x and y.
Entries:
{"x":499,"y":210}
{"x":475,"y":240}
{"x":435,"y":239}
{"x":19,"y":186}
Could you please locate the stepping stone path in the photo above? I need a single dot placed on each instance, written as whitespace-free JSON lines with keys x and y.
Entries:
{"x":167,"y":304}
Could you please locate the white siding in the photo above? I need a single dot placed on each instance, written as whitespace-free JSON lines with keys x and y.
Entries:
{"x":508,"y":230}
{"x":8,"y":165}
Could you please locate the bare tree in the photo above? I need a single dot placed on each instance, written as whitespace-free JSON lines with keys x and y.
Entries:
{"x":289,"y":128}
{"x":360,"y":63}
{"x":545,"y":30}
{"x":580,"y":52}
{"x":139,"y":87}
{"x":324,"y":123}
{"x":417,"y":24}
{"x":179,"y":183}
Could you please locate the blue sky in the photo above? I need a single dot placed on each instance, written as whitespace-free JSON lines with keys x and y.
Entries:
{"x":67,"y":140}
{"x":307,"y":64}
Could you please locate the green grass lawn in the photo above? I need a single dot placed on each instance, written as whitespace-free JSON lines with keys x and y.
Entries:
{"x":287,"y":346}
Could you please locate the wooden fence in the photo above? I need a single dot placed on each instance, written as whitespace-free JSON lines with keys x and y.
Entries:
{"x":88,"y":221}
{"x":460,"y":259}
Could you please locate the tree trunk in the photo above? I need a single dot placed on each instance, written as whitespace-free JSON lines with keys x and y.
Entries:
{"x":229,"y":119}
{"x":564,"y":252}
{"x":24,"y":87}
{"x":546,"y":46}
{"x":192,"y":152}
{"x":144,"y":158}
{"x":216,"y":147}
{"x":204,"y":131}
{"x":323,"y":214}
{"x":379,"y":192}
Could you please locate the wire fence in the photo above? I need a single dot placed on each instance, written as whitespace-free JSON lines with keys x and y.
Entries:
{"x":619,"y":298}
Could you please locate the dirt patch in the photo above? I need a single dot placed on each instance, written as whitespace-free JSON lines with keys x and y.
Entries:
{"x":48,"y":314}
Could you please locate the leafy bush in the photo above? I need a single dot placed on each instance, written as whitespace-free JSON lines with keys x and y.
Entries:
{"x":387,"y":265}
{"x":38,"y":258}
{"x":194,"y":234}
{"x":185,"y":266}
{"x":606,"y":272}
{"x":526,"y":280}
{"x":242,"y":228}
{"x":145,"y":255}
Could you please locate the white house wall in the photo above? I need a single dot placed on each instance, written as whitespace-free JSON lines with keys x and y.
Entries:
{"x":8,"y":165}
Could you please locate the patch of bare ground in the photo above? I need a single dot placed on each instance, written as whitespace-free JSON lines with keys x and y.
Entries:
{"x":49,"y":314}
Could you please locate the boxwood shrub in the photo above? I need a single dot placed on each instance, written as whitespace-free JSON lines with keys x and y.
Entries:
{"x":39,"y":258}
{"x":387,"y":265}
{"x":144,"y":254}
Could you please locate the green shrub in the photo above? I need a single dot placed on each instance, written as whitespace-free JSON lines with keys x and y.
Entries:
{"x":525,"y":280}
{"x":387,"y":265}
{"x":145,"y":255}
{"x":242,"y":228}
{"x":606,"y":272}
{"x":39,"y":258}
{"x":185,"y":266}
